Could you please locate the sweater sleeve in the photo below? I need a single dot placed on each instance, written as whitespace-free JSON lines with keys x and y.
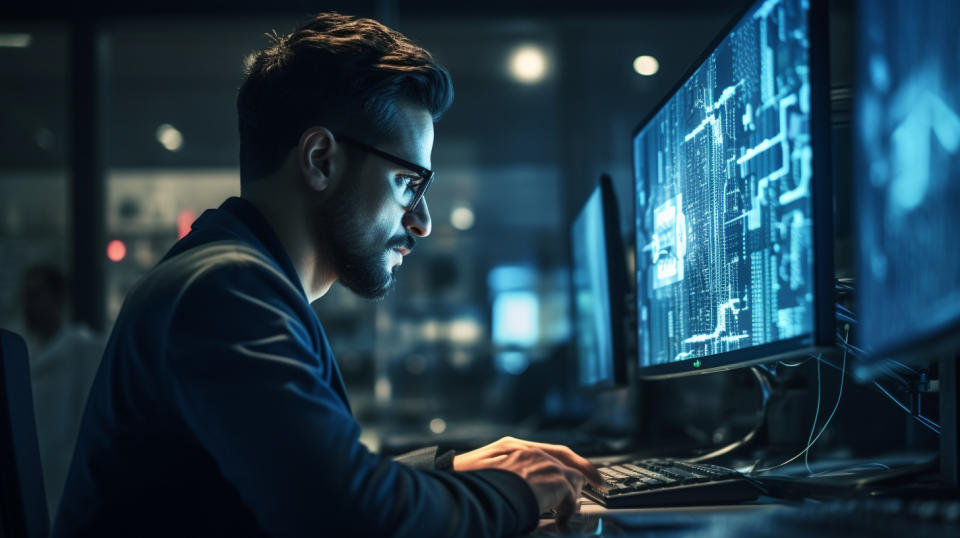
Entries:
{"x":427,"y":458}
{"x":423,"y":458}
{"x":252,"y":385}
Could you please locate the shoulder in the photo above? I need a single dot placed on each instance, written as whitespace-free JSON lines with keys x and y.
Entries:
{"x":218,"y":265}
{"x":226,"y":279}
{"x":234,"y":287}
{"x":223,"y":258}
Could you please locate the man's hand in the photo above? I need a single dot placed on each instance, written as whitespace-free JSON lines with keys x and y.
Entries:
{"x":554,"y":472}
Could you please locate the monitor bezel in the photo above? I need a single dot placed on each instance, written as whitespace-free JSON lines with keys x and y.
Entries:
{"x":823,"y":337}
{"x":617,"y":279}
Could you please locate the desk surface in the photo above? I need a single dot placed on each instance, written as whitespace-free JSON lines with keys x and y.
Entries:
{"x":835,"y":519}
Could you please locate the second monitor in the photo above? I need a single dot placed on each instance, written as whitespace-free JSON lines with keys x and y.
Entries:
{"x":599,"y":286}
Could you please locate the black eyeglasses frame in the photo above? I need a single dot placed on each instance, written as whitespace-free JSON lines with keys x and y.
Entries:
{"x":426,"y":175}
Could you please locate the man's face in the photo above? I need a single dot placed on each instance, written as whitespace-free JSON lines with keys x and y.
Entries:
{"x":367,"y":227}
{"x":42,"y":306}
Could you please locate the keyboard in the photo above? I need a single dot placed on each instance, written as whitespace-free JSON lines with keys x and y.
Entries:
{"x":660,"y":482}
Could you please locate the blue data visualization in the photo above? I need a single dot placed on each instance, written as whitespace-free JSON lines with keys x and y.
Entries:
{"x":907,"y":150}
{"x":724,"y":206}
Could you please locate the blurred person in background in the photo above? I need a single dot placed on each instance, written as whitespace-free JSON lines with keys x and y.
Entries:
{"x":63,"y":361}
{"x":219,"y":408}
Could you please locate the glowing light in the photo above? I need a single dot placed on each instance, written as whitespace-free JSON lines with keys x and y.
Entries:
{"x":185,"y":220}
{"x":438,"y":425}
{"x":116,"y":250}
{"x":462,"y":218}
{"x":646,"y":65}
{"x":465,"y":331}
{"x":382,"y":390}
{"x":15,"y":41}
{"x":460,"y":359}
{"x":430,"y":330}
{"x":511,"y":362}
{"x":512,"y":277}
{"x":169,"y":137}
{"x":515,"y":318}
{"x":528,"y":64}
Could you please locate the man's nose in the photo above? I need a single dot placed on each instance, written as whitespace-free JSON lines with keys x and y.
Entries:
{"x":418,"y":221}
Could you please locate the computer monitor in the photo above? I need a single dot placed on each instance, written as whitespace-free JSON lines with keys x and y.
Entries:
{"x":734,"y":202}
{"x":599,"y":284}
{"x":907,"y":169}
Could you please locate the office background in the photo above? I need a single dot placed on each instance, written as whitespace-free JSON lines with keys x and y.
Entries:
{"x":119,"y":129}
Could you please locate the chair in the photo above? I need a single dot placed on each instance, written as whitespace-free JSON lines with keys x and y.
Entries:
{"x":23,"y":504}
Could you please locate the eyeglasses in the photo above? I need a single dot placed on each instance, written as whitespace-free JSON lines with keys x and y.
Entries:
{"x":416,"y":187}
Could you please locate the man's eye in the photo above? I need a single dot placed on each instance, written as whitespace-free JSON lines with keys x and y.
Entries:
{"x":406,"y":181}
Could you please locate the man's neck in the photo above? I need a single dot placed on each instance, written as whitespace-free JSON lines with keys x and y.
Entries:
{"x":290,"y":223}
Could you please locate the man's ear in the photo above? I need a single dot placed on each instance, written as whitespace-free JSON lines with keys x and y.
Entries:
{"x":315,"y":152}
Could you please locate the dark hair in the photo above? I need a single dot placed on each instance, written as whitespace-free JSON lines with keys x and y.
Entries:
{"x":342,"y":72}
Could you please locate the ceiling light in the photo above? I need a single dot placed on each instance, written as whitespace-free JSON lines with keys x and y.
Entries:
{"x":169,"y":137}
{"x":646,"y":65}
{"x":438,"y":425}
{"x":528,"y":64}
{"x":462,"y":218}
{"x":15,"y":41}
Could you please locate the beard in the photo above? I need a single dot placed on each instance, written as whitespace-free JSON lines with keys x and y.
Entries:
{"x":359,"y":266}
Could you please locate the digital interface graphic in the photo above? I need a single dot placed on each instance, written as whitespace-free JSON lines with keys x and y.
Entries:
{"x":724,"y":207}
{"x":907,"y":149}
{"x":591,"y":295}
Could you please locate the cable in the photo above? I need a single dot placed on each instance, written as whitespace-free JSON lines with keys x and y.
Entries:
{"x":851,"y":470}
{"x":856,"y":351}
{"x":843,"y":370}
{"x":843,"y":317}
{"x":767,"y":389}
{"x":928,"y":423}
{"x":902,"y":365}
{"x":816,"y":417}
{"x":845,"y":310}
{"x":796,"y":364}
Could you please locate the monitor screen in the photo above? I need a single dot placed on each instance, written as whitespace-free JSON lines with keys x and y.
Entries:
{"x":725,"y":222}
{"x":598,"y":271}
{"x":907,"y":158}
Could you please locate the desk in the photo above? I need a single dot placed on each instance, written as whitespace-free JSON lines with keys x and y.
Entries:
{"x":836,"y":519}
{"x":595,"y":520}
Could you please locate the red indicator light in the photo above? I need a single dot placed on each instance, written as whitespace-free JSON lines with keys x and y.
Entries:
{"x":184,"y":220}
{"x":116,"y":250}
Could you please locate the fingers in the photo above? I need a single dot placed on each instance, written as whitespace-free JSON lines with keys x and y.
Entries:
{"x":576,"y":480}
{"x":496,"y":454}
{"x":571,"y":459}
{"x":570,"y":503}
{"x":493,"y":460}
{"x":555,"y":484}
{"x":565,"y":509}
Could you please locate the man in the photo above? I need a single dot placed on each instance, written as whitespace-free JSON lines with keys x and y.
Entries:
{"x":219,"y":409}
{"x":63,"y":360}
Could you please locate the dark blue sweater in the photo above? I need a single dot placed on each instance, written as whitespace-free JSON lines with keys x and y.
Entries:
{"x":219,"y":410}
